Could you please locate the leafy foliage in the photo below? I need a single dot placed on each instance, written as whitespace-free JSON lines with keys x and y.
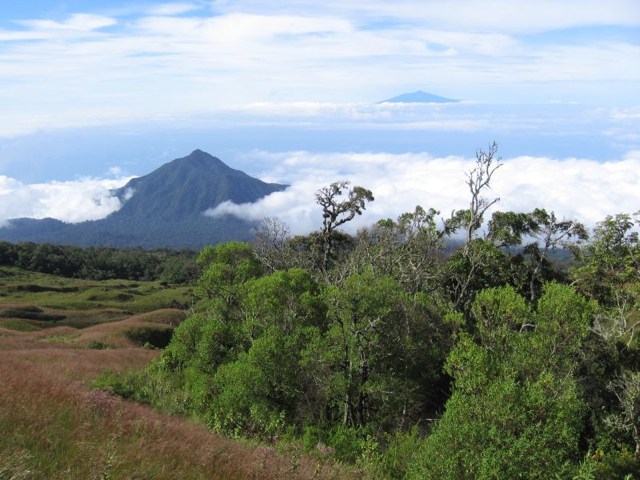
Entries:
{"x":101,"y":263}
{"x":417,"y":355}
{"x":515,"y":409}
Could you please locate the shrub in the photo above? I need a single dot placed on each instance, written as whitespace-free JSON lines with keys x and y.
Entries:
{"x":615,"y":465}
{"x":158,"y":337}
{"x":94,"y":344}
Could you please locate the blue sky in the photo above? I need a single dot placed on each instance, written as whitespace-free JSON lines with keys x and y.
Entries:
{"x":68,"y":63}
{"x":110,"y":89}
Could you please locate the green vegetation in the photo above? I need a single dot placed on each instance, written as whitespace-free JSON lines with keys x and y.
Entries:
{"x":486,"y":362}
{"x":391,"y":351}
{"x":100,"y":263}
{"x":55,"y":426}
{"x":90,"y":313}
{"x":49,"y":298}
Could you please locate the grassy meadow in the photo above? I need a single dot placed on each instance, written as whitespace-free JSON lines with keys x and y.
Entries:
{"x":56,"y":335}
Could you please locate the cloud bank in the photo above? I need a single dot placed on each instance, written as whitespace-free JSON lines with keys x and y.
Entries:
{"x":72,"y":201}
{"x":580,"y":189}
{"x":577,"y":188}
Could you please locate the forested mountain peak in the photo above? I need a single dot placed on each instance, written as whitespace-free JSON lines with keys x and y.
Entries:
{"x":198,"y":159}
{"x":164,"y":208}
{"x":187,"y":186}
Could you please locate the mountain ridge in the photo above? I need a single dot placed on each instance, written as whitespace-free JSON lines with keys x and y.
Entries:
{"x":163,"y":209}
{"x":188,"y":186}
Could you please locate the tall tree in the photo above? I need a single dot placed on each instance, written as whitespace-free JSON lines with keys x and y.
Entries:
{"x":340,"y":204}
{"x":626,"y":388}
{"x":611,"y":259}
{"x":381,"y":346}
{"x":271,"y":243}
{"x":478,"y":181}
{"x":473,"y":254}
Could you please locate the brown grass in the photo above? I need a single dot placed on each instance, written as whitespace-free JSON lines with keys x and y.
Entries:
{"x":165,"y":316}
{"x":111,"y":334}
{"x":53,"y":426}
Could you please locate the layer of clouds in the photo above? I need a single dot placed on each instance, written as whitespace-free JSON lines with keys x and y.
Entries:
{"x":72,"y":201}
{"x":169,"y":9}
{"x":491,"y":15}
{"x":580,"y":189}
{"x":198,"y":57}
{"x":78,"y":22}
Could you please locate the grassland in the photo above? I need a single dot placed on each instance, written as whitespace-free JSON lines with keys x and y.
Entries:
{"x":56,"y":336}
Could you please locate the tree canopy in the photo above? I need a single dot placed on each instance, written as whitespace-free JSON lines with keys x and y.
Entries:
{"x":507,"y":353}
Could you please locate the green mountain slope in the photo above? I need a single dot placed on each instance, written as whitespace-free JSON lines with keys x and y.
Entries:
{"x":162,"y":209}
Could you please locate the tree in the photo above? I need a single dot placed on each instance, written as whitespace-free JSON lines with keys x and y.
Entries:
{"x":241,"y":368}
{"x":626,"y":388}
{"x":515,"y":410}
{"x":264,"y":389}
{"x":411,"y":250}
{"x":478,"y":180}
{"x":384,"y":351}
{"x":289,"y":299}
{"x":611,"y":275}
{"x":507,"y":229}
{"x":271,"y":243}
{"x":224,"y":268}
{"x":473,"y":254}
{"x":549,"y":233}
{"x":479,"y":265}
{"x":611,"y":259}
{"x":340,"y":204}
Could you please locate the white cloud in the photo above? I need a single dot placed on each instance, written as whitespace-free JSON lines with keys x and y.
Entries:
{"x":626,"y":114}
{"x":406,"y":116}
{"x":581,"y":189}
{"x":72,"y":201}
{"x":532,"y":16}
{"x":92,"y":68}
{"x":82,"y":22}
{"x":234,"y":30}
{"x":489,"y":15}
{"x":173,"y":8}
{"x":333,"y":52}
{"x":77,"y":26}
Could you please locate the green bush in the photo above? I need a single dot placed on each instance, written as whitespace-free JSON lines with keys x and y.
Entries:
{"x":348,"y":443}
{"x":95,"y":345}
{"x":397,"y":455}
{"x":157,"y":337}
{"x":619,"y":464}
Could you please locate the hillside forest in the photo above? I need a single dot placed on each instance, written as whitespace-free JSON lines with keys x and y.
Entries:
{"x":474,"y":346}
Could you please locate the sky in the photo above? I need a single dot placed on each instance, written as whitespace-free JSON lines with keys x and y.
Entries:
{"x":95,"y":92}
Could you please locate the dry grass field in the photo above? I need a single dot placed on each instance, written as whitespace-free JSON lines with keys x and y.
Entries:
{"x":54,"y":425}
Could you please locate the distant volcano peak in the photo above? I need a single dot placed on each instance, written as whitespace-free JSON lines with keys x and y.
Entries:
{"x":188,"y":186}
{"x":202,"y":159}
{"x":419,"y":97}
{"x":164,"y":208}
